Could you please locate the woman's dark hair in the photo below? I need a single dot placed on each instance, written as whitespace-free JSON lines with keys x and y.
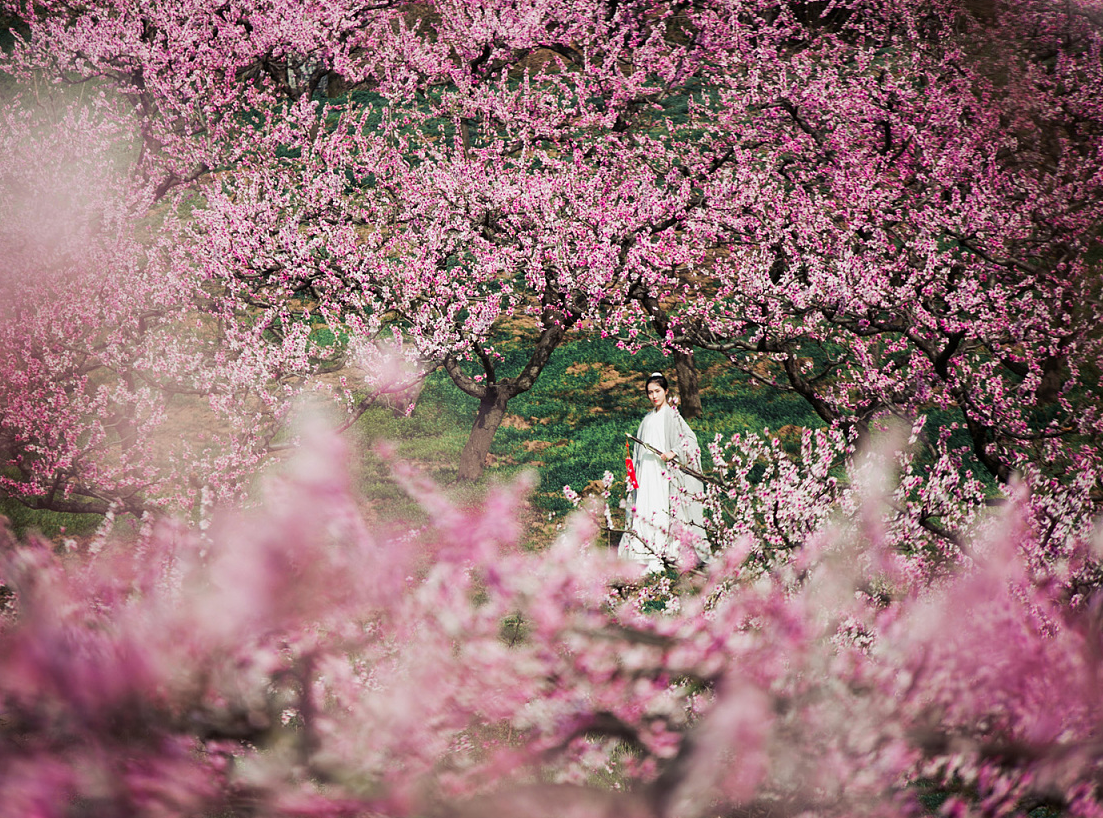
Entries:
{"x":659,"y":378}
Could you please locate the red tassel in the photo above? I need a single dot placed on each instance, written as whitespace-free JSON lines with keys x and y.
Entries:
{"x":632,"y":481}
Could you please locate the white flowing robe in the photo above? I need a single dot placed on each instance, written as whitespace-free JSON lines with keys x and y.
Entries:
{"x":664,"y":510}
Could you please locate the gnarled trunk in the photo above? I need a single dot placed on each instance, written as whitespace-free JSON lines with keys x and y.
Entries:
{"x":494,"y":394}
{"x":492,"y":408}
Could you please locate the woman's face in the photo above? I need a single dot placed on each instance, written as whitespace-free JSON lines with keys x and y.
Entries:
{"x":656,"y":394}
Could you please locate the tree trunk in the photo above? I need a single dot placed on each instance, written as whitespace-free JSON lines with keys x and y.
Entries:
{"x":492,"y":408}
{"x":335,"y":85}
{"x":685,"y":370}
{"x":689,"y":389}
{"x":493,"y":394}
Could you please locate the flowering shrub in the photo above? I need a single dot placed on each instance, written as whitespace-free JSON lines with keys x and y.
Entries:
{"x":296,"y":661}
{"x":929,"y":502}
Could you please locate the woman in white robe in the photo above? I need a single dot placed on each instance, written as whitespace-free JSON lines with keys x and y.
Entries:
{"x":664,"y":511}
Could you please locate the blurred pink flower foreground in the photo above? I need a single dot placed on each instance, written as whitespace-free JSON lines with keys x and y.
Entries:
{"x":295,"y":661}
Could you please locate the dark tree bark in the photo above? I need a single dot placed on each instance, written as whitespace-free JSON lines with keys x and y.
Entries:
{"x":336,"y":86}
{"x":689,"y":389}
{"x":685,"y":369}
{"x":492,"y":408}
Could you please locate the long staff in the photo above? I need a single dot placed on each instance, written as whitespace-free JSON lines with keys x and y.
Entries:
{"x":692,"y":472}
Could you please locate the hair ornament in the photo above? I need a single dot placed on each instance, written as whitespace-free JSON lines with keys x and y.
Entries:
{"x":655,"y":375}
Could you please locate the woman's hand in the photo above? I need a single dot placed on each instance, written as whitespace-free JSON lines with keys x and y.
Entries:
{"x":668,"y":456}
